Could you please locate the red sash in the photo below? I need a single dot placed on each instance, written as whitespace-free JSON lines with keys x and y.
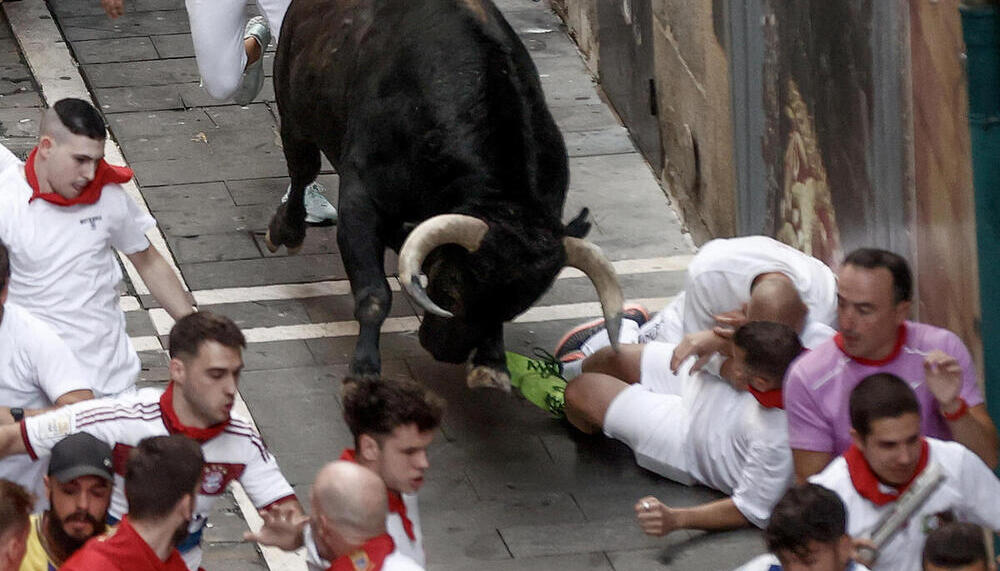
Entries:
{"x":900,"y":341}
{"x":768,"y":399}
{"x":369,"y":557}
{"x":866,"y":482}
{"x":105,"y":174}
{"x":175,"y":426}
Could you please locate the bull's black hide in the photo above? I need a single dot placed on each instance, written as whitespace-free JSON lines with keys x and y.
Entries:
{"x":426,"y":107}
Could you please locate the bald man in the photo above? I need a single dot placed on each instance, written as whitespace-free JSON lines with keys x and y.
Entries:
{"x":61,"y":213}
{"x":728,"y":282}
{"x":349,"y":507}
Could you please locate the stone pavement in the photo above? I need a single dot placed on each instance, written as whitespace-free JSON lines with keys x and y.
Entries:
{"x":509,"y":487}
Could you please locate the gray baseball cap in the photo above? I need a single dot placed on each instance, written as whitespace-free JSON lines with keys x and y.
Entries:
{"x":78,"y":455}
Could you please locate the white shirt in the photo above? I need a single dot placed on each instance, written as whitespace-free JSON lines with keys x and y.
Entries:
{"x":7,"y":158}
{"x":721,"y":273}
{"x":238,"y":453}
{"x":769,"y":562}
{"x":412,"y":549}
{"x":64,"y":271}
{"x":397,"y":561}
{"x":970,"y":492}
{"x":737,"y":446}
{"x":36,"y":368}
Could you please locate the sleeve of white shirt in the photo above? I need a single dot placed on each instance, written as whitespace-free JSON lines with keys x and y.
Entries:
{"x":763,"y":481}
{"x":262,"y":479}
{"x":42,"y":432}
{"x":980,"y":490}
{"x":128,"y":234}
{"x":58,"y":370}
{"x":703,"y":298}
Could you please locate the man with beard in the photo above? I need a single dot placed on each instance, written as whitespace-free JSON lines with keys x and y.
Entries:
{"x":162,"y":480}
{"x":79,"y":484}
{"x":205,"y":364}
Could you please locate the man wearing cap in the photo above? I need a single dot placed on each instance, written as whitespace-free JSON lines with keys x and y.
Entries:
{"x":79,"y":484}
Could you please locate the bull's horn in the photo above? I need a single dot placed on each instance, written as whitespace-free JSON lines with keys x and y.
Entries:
{"x":589,"y":259}
{"x":466,"y":231}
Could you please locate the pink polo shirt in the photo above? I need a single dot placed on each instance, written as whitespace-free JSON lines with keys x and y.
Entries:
{"x":819,"y":384}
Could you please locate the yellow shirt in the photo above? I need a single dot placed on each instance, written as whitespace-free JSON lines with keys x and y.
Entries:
{"x":36,"y":558}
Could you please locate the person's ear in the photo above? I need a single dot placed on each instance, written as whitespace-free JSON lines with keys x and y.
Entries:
{"x":761,"y":384}
{"x":368,"y":448}
{"x":48,"y":484}
{"x":857,"y":439}
{"x":845,"y":548}
{"x":902,"y":311}
{"x":45,"y":145}
{"x":178,"y":373}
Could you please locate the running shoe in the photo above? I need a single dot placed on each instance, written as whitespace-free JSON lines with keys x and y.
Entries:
{"x":539,"y":379}
{"x":253,"y":75}
{"x":319,"y":211}
{"x":569,"y":347}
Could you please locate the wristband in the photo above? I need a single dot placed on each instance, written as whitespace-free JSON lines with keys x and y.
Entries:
{"x":962,"y":410}
{"x":17,"y":413}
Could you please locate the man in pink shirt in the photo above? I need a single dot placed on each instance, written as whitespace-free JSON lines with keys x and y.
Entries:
{"x":874,"y":290}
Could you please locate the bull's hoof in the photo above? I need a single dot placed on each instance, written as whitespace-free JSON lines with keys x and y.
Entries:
{"x":271,"y":246}
{"x":485,"y":377}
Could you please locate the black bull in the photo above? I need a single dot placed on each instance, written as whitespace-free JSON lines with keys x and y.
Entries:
{"x":433,"y":115}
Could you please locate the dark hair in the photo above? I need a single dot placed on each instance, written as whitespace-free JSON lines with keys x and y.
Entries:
{"x":872,"y":258}
{"x":4,"y":264}
{"x":806,"y":513}
{"x":160,"y":471}
{"x":878,"y":396}
{"x":81,"y":118}
{"x":955,"y":545}
{"x":193,"y":329}
{"x":378,"y":406}
{"x":770,"y":348}
{"x":15,"y":507}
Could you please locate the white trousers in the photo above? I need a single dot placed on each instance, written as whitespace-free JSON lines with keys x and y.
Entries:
{"x":217,"y":32}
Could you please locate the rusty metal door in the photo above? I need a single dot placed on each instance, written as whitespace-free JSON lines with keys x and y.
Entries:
{"x":626,"y":69}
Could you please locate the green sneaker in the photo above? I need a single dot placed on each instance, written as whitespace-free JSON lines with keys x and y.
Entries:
{"x":539,"y":380}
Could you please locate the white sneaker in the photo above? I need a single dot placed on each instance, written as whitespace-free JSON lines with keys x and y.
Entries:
{"x":253,"y":75}
{"x":318,"y":208}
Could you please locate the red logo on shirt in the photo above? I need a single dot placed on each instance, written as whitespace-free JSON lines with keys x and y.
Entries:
{"x":215,"y":476}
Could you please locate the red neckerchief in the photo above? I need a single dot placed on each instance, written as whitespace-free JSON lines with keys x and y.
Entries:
{"x":900,"y":341}
{"x":768,"y":399}
{"x":175,"y":426}
{"x":368,"y":557}
{"x":867,"y":484}
{"x":396,"y":504}
{"x":104,"y":174}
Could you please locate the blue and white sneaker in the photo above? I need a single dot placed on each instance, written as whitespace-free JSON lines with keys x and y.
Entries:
{"x":318,"y":209}
{"x":253,"y":75}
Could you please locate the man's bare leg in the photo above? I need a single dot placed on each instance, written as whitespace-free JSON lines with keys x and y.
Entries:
{"x":623,"y":365}
{"x":588,"y":398}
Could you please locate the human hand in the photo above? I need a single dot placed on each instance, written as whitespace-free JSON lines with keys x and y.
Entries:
{"x":704,"y":344}
{"x":863,"y":551}
{"x":727,"y":323}
{"x":113,"y":8}
{"x":655,"y":518}
{"x":943,"y":375}
{"x":283,"y":525}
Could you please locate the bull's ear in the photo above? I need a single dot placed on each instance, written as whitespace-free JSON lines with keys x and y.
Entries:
{"x":579,"y":226}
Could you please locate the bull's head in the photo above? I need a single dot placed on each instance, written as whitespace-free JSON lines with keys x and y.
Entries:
{"x":482,"y":274}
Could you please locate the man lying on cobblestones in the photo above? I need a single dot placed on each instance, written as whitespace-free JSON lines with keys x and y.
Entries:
{"x":162,"y":478}
{"x":205,"y":365}
{"x":719,"y":284}
{"x":393,"y":424}
{"x":38,"y":371}
{"x":61,"y":213}
{"x":78,"y":485}
{"x":696,"y":427}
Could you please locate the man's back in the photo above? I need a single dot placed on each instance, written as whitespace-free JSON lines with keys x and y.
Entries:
{"x":819,"y":382}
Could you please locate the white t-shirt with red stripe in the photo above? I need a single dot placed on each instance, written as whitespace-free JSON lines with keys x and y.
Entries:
{"x":237,"y":453}
{"x":970,"y":492}
{"x":64,"y":271}
{"x":36,"y":368}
